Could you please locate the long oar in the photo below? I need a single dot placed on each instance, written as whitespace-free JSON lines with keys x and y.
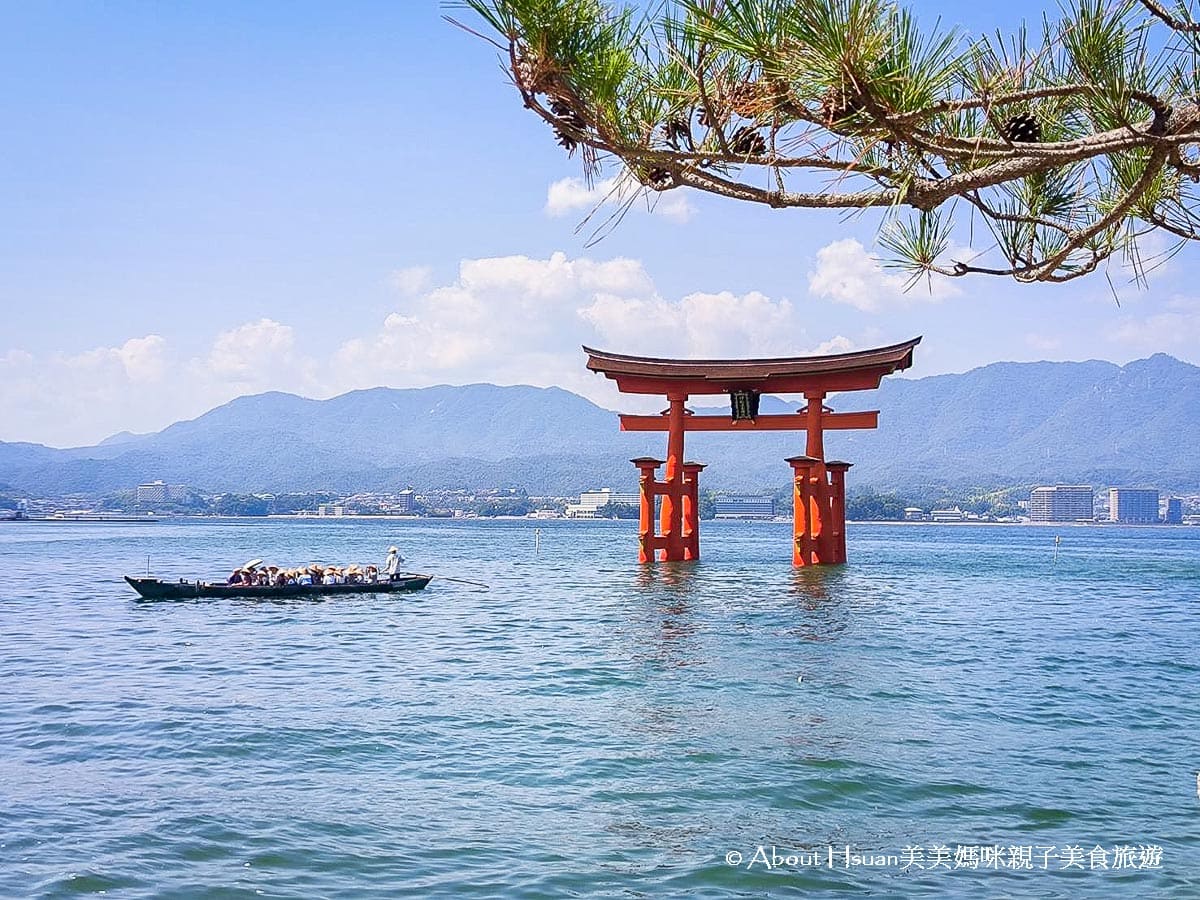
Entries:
{"x":431,"y":576}
{"x":480,"y":584}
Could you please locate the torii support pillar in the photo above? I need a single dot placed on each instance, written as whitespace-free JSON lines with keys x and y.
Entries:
{"x":649,"y":487}
{"x":684,"y":497}
{"x":671,"y":513}
{"x":691,"y":509}
{"x":837,"y":507}
{"x":806,"y":515}
{"x":818,"y":511}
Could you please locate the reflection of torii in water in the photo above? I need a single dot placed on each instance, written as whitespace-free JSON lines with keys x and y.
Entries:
{"x":819,"y":499}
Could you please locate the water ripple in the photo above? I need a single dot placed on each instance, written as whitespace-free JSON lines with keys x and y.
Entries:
{"x":595,"y":728}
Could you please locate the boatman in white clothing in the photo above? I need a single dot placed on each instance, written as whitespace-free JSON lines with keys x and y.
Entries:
{"x":393,"y":564}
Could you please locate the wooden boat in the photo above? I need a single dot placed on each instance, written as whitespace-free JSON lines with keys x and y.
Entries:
{"x":155,"y":589}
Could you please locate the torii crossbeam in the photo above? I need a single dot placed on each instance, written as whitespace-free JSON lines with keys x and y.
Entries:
{"x":819,"y":485}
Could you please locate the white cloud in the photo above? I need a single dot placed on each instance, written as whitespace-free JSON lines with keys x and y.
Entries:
{"x":510,"y":319}
{"x":144,"y":383}
{"x":673,"y":205}
{"x":67,"y":399}
{"x":1043,"y":343}
{"x":1174,"y":329}
{"x":517,"y":319}
{"x":1156,"y":255}
{"x":568,"y":195}
{"x":837,"y":344}
{"x":572,"y":195}
{"x":251,"y":351}
{"x":699,"y":325}
{"x":846,"y":273}
{"x":16,"y":359}
{"x":412,"y":280}
{"x":506,"y":320}
{"x":138,"y":359}
{"x":144,"y":358}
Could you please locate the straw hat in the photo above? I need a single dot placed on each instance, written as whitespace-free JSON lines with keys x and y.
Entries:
{"x":393,"y":549}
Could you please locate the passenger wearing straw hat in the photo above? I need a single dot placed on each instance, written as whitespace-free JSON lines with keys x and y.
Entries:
{"x":393,"y":563}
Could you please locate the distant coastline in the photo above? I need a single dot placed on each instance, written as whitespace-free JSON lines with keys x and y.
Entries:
{"x":87,"y":519}
{"x":384,"y":517}
{"x":1099,"y":523}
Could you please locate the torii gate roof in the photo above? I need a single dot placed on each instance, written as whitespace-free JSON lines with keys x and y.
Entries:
{"x":861,"y":370}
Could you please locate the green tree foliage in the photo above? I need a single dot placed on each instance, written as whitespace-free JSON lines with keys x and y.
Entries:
{"x":503,"y":506}
{"x":1068,"y":142}
{"x":870,"y":506}
{"x":618,"y":511}
{"x":301,"y":502}
{"x":240,"y":505}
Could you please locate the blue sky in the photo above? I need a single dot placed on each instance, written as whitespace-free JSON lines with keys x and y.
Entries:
{"x":206,"y":200}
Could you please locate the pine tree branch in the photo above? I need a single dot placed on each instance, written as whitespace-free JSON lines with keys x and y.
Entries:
{"x":1062,"y":145}
{"x":1175,"y":24}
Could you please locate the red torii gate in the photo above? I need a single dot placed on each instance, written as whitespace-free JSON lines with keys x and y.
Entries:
{"x":819,"y":498}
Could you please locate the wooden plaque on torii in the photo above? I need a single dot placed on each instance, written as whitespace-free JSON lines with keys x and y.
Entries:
{"x":819,"y":485}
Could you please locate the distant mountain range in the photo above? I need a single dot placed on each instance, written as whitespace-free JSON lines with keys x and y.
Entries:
{"x":1005,"y":423}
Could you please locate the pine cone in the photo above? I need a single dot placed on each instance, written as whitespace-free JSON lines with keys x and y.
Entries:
{"x":702,"y":117}
{"x":566,"y":141}
{"x":762,"y":100}
{"x":747,"y":142}
{"x":783,"y":104}
{"x":1023,"y":129}
{"x":568,"y":120}
{"x":839,"y":104}
{"x":531,"y":75}
{"x":677,"y":130}
{"x":567,"y":115}
{"x":751,"y":99}
{"x":660,"y":179}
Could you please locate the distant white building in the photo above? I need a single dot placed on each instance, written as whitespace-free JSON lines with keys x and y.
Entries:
{"x":744,"y":506}
{"x":1061,"y":503}
{"x":151,"y":492}
{"x":1174,"y":512}
{"x":947,"y":515}
{"x":592,"y":501}
{"x":914,"y":514}
{"x":1133,"y":506}
{"x":160,"y":492}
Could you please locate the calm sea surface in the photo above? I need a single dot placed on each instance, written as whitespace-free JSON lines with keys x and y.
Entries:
{"x":590,"y":727}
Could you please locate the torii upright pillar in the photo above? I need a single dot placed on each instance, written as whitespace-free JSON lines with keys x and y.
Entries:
{"x":819,"y":493}
{"x":678,"y":537}
{"x":672,"y":502}
{"x":818,"y":510}
{"x":691,"y":509}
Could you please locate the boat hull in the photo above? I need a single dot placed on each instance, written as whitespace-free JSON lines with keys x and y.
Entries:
{"x":154,"y":589}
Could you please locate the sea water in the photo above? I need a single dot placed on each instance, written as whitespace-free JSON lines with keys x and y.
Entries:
{"x":960,"y":710}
